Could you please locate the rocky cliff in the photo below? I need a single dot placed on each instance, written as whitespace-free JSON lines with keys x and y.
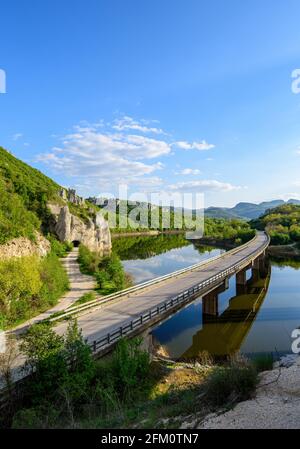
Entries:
{"x":22,"y":246}
{"x":93,"y":233}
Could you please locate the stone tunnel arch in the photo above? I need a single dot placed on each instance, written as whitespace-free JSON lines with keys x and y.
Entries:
{"x":76,"y":243}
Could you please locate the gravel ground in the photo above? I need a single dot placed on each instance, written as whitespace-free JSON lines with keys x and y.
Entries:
{"x":276,"y":405}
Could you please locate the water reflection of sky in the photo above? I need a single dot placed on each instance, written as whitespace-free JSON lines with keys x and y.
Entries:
{"x":143,"y":270}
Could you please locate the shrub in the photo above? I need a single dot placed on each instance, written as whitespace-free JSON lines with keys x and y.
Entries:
{"x":230,"y":384}
{"x":263,"y":362}
{"x":54,"y":279}
{"x":88,"y":260}
{"x":109,"y":271}
{"x":29,"y":285}
{"x":111,"y":276}
{"x":20,"y":284}
{"x":278,"y":238}
{"x":61,"y":249}
{"x":61,"y":366}
{"x":130,"y":366}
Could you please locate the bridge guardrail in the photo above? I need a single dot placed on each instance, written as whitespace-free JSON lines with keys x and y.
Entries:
{"x":185,"y":296}
{"x":101,"y":301}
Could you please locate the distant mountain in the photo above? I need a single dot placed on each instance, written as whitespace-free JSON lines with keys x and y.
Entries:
{"x":246,"y":211}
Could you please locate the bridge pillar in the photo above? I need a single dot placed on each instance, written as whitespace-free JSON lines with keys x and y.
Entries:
{"x":210,"y":302}
{"x":256,"y":268}
{"x":241,"y":282}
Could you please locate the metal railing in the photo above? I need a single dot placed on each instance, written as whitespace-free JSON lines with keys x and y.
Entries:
{"x":116,"y":334}
{"x":98,"y":302}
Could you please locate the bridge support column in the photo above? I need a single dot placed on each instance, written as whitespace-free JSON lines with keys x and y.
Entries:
{"x":210,"y":302}
{"x":241,"y":282}
{"x":256,"y":268}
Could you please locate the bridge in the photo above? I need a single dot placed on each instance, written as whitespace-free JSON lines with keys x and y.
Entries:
{"x":128,"y":313}
{"x":223,"y":334}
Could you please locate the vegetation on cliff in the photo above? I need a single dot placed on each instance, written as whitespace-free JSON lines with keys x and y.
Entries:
{"x":25,"y":193}
{"x":282,"y":224}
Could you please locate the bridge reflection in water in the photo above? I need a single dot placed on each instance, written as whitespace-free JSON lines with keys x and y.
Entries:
{"x":223,"y":334}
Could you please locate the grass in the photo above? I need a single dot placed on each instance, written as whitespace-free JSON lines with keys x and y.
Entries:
{"x":84,"y":298}
{"x":230,"y":384}
{"x":263,"y":362}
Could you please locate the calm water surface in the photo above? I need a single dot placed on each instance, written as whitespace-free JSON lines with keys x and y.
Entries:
{"x":259,"y":319}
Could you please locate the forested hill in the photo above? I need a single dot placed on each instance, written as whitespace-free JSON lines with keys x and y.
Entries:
{"x":24,"y":193}
{"x":282,"y":223}
{"x":246,"y":211}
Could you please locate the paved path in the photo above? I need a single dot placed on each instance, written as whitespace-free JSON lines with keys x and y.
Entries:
{"x":98,"y":323}
{"x":79,"y":285}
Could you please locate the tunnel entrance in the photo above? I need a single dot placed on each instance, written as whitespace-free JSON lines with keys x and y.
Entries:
{"x":76,"y":243}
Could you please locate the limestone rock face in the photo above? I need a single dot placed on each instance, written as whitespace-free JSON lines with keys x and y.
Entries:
{"x":22,"y":246}
{"x":94,"y":234}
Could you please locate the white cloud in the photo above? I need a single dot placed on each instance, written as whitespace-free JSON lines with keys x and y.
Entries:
{"x":189,"y":171}
{"x":128,"y":123}
{"x":102,"y":155}
{"x":200,"y":146}
{"x":203,"y":186}
{"x":17,"y":136}
{"x":106,"y":158}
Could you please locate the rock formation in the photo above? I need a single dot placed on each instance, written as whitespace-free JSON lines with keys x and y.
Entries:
{"x":93,"y":233}
{"x":71,"y":196}
{"x":22,"y":246}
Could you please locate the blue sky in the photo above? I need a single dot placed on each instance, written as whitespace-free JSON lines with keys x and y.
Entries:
{"x":168,"y":95}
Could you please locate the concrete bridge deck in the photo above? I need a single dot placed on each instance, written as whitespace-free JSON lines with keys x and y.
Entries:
{"x":99,"y":323}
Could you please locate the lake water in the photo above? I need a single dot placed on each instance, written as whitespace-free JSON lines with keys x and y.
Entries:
{"x":257,"y":320}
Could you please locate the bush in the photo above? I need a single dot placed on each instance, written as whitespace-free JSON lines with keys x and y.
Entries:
{"x":121,"y":379}
{"x":20,"y":284}
{"x":263,"y":362}
{"x":278,"y":238}
{"x":111,"y":276}
{"x":54,"y":279}
{"x":230,"y":384}
{"x":29,"y":285}
{"x":130,"y":366}
{"x":61,"y":249}
{"x":62,"y":367}
{"x":109,"y":271}
{"x":88,"y":260}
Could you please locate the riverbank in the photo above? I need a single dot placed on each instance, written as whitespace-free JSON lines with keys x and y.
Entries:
{"x":146,"y":233}
{"x":276,"y":404}
{"x":284,"y":251}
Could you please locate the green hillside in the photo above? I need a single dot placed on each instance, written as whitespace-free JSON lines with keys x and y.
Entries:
{"x":246,"y":211}
{"x":24,"y":194}
{"x":282,"y":223}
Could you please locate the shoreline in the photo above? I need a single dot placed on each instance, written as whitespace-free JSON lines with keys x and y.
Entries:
{"x":146,"y":233}
{"x":284,"y":251}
